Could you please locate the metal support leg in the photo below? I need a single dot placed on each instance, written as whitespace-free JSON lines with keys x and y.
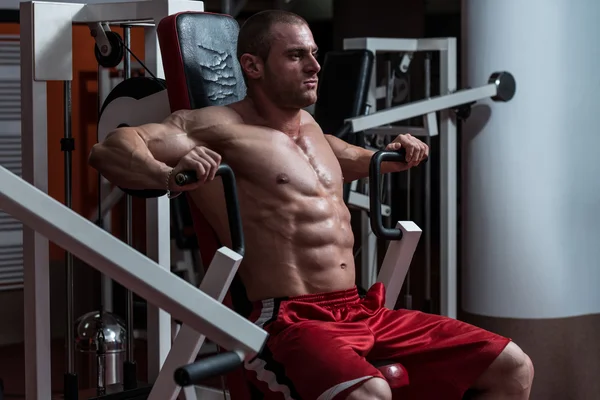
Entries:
{"x":35,"y":246}
{"x":188,"y":342}
{"x":448,"y":190}
{"x":158,"y":225}
{"x":396,"y":263}
{"x":157,"y":238}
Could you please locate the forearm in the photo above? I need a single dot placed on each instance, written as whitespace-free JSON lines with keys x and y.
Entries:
{"x":126,"y":161}
{"x":355,"y":162}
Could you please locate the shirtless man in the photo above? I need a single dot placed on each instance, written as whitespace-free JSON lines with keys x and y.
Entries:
{"x":298,"y":268}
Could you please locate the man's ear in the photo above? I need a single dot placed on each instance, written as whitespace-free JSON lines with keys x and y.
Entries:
{"x":252,"y":65}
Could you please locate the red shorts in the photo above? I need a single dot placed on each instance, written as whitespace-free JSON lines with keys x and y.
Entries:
{"x":320,"y":347}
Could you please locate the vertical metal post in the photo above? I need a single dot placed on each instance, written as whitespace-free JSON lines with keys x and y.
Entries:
{"x":129,"y":207}
{"x":71,"y":385}
{"x":106,"y":284}
{"x":130,"y":368}
{"x":158,"y":231}
{"x":428,"y":306}
{"x":448,"y":182}
{"x":36,"y":260}
{"x":368,"y":254}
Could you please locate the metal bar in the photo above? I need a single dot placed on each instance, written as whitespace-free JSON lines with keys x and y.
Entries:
{"x":108,"y":12}
{"x":69,"y":257}
{"x":397,"y":261}
{"x":188,"y":342}
{"x":111,"y":256}
{"x":158,"y":228}
{"x":128,"y":212}
{"x":395,"y":130}
{"x":396,"y":44}
{"x":427,"y":213}
{"x":448,"y":178}
{"x":34,"y":135}
{"x":418,"y":108}
{"x":158,"y":224}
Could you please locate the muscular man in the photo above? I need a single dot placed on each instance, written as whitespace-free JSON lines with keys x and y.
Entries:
{"x":298,"y":267}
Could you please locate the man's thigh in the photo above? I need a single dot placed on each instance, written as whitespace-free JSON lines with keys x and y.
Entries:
{"x":442,"y":355}
{"x":311,"y":360}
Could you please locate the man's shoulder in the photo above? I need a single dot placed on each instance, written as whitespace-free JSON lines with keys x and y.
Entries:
{"x":309,"y":121}
{"x":210,"y":116}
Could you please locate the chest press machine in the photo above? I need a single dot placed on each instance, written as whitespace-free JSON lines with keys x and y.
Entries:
{"x":198,"y":53}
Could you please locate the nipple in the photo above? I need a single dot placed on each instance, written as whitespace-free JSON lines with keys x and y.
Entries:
{"x":282,"y":179}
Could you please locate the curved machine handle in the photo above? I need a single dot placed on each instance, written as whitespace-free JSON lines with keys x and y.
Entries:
{"x":219,"y":364}
{"x":231,"y":200}
{"x":374,"y":197}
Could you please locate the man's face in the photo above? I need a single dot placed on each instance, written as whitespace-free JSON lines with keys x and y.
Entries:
{"x":290,"y":71}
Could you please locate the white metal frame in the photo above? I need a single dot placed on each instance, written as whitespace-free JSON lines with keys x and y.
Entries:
{"x":47,"y":54}
{"x":48,"y":218}
{"x":375,"y":123}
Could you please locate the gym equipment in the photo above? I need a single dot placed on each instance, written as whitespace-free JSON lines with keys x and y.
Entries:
{"x":30,"y":203}
{"x":52,"y":60}
{"x":501,"y":87}
{"x":100,"y":344}
{"x":67,"y":145}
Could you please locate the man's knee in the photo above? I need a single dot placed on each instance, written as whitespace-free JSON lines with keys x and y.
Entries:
{"x":373,"y":389}
{"x":514,"y":370}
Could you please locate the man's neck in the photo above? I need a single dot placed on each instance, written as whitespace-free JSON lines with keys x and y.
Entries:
{"x":275,"y":117}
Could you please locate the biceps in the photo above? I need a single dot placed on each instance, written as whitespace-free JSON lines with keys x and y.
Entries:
{"x":343,"y":151}
{"x":166,"y":141}
{"x":338,"y":146}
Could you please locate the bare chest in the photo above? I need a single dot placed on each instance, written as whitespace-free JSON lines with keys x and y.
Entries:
{"x":305,"y":164}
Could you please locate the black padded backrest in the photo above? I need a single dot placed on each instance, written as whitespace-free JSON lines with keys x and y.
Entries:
{"x":343,"y":87}
{"x":199,"y":57}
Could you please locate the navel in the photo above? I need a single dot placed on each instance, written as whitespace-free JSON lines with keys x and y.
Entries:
{"x":282,"y":179}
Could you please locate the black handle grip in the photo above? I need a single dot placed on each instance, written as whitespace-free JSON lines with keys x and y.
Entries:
{"x":231,"y":200}
{"x":219,"y":364}
{"x":374,"y":198}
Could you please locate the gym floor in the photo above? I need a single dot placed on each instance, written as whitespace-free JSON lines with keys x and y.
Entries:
{"x":12,"y":368}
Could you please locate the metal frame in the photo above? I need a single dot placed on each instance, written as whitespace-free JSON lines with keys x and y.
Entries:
{"x":47,"y":54}
{"x":49,"y":218}
{"x":188,"y":341}
{"x":448,"y":146}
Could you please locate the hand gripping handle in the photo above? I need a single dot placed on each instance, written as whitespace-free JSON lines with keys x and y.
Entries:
{"x":231,"y":200}
{"x":374,"y":197}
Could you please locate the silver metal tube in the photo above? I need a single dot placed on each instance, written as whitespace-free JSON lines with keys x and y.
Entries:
{"x":389,"y":96}
{"x":69,"y":256}
{"x":129,"y":208}
{"x":427,"y":215}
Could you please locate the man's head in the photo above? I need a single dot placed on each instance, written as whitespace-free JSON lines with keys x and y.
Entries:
{"x":277,"y":54}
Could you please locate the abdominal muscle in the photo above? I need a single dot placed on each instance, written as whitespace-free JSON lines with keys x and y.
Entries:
{"x":300,"y":246}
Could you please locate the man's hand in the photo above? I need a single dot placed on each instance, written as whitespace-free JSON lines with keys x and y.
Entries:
{"x":416,"y":150}
{"x":203,"y":161}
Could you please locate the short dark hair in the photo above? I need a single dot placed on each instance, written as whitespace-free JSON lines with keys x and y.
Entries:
{"x":255,"y":34}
